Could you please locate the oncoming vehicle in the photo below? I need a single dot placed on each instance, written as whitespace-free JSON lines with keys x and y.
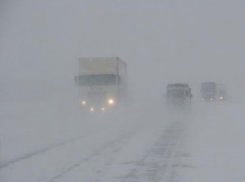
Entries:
{"x":211,"y":91}
{"x":178,"y":96}
{"x":102,"y":83}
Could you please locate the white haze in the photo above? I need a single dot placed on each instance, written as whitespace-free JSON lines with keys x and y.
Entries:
{"x":162,"y":42}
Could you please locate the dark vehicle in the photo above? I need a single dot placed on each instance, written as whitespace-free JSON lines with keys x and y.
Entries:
{"x":178,"y":96}
{"x":211,"y":91}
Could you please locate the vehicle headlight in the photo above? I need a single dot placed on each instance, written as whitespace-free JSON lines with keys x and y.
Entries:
{"x":83,"y":102}
{"x":111,"y":101}
{"x":92,"y":109}
{"x":221,"y":98}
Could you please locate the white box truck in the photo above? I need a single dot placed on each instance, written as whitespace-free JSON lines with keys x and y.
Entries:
{"x":102,"y":83}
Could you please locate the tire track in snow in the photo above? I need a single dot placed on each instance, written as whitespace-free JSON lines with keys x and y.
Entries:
{"x":158,"y":163}
{"x":96,"y":153}
{"x":46,"y":149}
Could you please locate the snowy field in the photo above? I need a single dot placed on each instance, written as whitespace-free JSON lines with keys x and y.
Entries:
{"x":48,"y":141}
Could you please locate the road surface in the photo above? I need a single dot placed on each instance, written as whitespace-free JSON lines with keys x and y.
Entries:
{"x":131,"y":145}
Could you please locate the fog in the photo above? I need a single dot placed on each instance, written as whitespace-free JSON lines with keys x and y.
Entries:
{"x":162,"y":42}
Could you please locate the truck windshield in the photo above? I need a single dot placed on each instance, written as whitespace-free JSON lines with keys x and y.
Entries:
{"x":175,"y":93}
{"x":102,"y":79}
{"x":208,"y":87}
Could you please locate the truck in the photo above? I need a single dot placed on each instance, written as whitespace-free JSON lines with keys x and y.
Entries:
{"x":212,"y":91}
{"x":178,"y":96}
{"x":101,"y":82}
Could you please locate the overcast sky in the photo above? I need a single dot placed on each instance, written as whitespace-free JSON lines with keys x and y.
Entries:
{"x":162,"y":41}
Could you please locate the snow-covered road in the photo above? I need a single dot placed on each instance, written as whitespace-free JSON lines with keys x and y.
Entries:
{"x":137,"y":143}
{"x":217,"y":143}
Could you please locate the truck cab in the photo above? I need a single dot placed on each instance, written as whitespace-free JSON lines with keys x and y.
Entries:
{"x":211,"y":91}
{"x":101,"y":82}
{"x":178,"y":95}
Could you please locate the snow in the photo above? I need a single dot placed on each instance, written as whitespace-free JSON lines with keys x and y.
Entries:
{"x":45,"y":137}
{"x":122,"y":145}
{"x":217,"y":142}
{"x":56,"y":141}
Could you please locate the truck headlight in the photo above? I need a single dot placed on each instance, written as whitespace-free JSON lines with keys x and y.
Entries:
{"x":83,"y":102}
{"x":111,"y":101}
